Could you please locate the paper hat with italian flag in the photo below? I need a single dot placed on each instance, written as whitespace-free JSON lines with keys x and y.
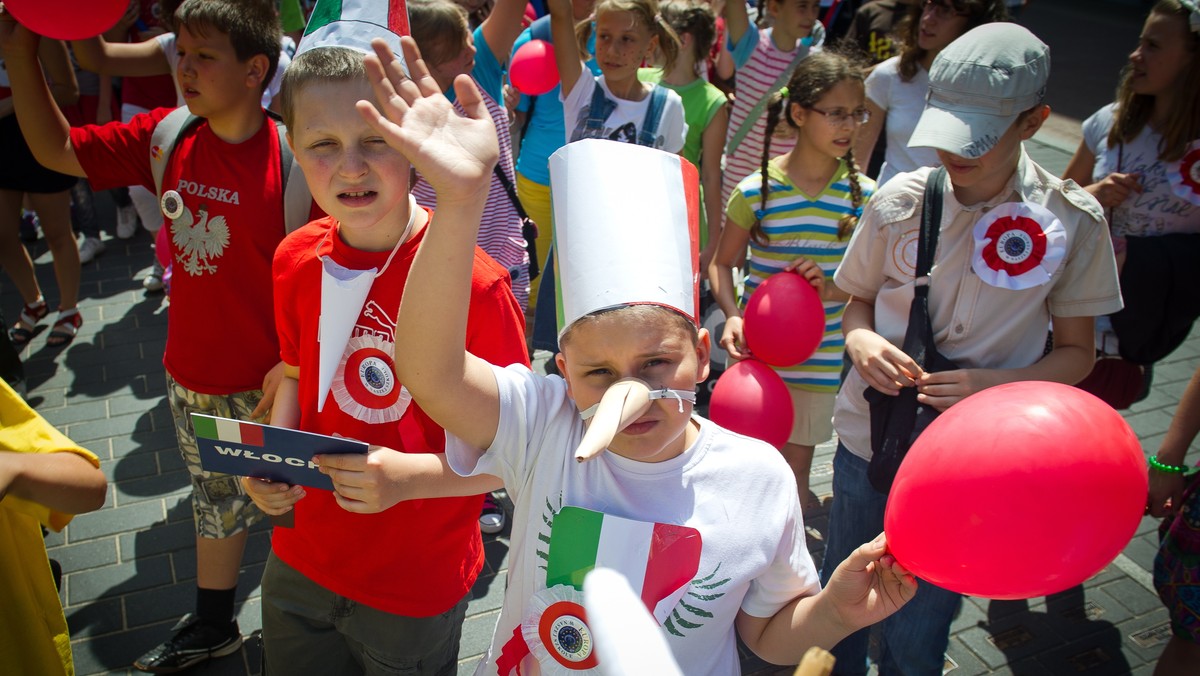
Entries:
{"x":354,"y":23}
{"x":626,"y":229}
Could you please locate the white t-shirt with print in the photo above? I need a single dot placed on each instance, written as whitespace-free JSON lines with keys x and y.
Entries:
{"x":903,"y":102}
{"x":736,"y":491}
{"x":1156,"y":210}
{"x":625,"y":121}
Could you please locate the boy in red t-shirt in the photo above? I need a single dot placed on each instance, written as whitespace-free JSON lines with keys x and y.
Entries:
{"x":227,"y":218}
{"x":406,"y":569}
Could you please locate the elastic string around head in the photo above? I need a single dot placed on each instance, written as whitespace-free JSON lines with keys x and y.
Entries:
{"x":665,"y":393}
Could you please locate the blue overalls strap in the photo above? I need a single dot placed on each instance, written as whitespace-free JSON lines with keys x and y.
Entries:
{"x":599,"y":110}
{"x":654,"y":113}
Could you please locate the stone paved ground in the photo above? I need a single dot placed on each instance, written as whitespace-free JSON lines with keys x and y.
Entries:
{"x":130,"y":567}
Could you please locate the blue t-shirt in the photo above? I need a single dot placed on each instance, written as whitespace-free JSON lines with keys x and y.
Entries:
{"x":546,"y":131}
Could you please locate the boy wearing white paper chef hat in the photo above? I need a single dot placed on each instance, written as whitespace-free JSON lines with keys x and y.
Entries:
{"x":678,"y":505}
{"x":408,"y":568}
{"x":1019,"y":251}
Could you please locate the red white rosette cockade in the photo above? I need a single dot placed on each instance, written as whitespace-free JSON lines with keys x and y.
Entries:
{"x":1018,"y":245}
{"x":1184,"y":176}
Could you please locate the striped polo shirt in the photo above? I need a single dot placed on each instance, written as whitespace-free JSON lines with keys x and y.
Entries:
{"x":799,"y":225}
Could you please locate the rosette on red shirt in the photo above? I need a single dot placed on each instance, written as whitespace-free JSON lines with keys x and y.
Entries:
{"x":1184,"y":176}
{"x":1018,"y":245}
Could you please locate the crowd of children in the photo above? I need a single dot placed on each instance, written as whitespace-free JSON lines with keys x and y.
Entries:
{"x":434,"y":192}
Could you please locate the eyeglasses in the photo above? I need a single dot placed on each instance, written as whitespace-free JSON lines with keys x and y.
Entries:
{"x":943,"y":9}
{"x":839,"y":117}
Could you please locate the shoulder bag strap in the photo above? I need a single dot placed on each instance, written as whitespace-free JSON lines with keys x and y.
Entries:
{"x":918,"y":337}
{"x":529,"y":229}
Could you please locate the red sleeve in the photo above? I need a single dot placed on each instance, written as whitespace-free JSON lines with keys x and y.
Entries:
{"x":495,"y":333}
{"x":495,"y":323}
{"x":118,"y":153}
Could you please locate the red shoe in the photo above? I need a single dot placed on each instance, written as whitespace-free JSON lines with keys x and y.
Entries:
{"x":65,"y":328}
{"x":22,"y":332}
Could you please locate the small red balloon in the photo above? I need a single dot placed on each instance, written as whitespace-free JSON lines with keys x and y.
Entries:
{"x":533,"y":70}
{"x":784,"y":320}
{"x":751,"y":399}
{"x":1018,"y":491}
{"x":67,"y":19}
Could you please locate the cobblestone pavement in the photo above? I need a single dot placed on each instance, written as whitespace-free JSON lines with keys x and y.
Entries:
{"x":130,"y":567}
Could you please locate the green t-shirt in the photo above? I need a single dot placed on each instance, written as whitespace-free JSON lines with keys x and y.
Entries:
{"x":701,"y":101}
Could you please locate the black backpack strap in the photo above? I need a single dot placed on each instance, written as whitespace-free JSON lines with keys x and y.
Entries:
{"x":529,"y":229}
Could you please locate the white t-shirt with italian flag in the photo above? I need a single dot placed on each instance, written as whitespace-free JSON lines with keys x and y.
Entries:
{"x":736,"y":493}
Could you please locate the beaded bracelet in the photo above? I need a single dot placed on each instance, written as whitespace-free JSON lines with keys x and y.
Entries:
{"x":1165,"y":468}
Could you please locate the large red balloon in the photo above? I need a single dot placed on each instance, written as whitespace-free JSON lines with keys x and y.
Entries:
{"x":1019,"y":491}
{"x":533,"y":70}
{"x":751,"y":399}
{"x":784,"y":320}
{"x":67,"y":19}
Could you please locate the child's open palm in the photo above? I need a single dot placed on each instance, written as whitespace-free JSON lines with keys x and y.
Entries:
{"x":454,"y":153}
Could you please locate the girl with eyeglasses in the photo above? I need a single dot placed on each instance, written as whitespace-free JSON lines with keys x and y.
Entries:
{"x":897,"y":87}
{"x":799,"y":209}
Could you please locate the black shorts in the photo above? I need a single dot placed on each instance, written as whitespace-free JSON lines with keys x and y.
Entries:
{"x":19,"y":171}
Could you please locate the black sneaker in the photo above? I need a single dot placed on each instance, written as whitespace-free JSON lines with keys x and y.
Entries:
{"x":492,"y":517}
{"x":194,"y":642}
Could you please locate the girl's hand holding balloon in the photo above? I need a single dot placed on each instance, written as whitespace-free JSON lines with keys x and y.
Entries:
{"x":808,"y":270}
{"x":733,"y":339}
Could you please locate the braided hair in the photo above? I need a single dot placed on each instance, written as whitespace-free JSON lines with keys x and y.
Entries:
{"x":816,"y":75}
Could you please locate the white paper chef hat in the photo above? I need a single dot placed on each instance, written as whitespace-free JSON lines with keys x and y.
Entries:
{"x":626,"y":229}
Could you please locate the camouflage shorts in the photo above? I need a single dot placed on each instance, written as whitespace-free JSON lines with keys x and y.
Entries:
{"x":220,"y":505}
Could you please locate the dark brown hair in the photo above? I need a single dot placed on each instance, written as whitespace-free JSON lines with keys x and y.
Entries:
{"x":817,"y":74}
{"x":252,"y":27}
{"x":439,"y":27}
{"x":978,"y":13}
{"x":695,"y":19}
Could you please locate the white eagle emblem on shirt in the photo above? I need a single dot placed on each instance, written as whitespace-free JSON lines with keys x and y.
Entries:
{"x":199,"y":241}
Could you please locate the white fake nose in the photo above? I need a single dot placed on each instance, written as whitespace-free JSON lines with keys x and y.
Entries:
{"x":623,"y":402}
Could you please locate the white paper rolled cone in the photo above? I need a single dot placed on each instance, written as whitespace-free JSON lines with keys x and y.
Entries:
{"x":626,"y":229}
{"x":628,"y":640}
{"x":343,"y":292}
{"x":623,"y":402}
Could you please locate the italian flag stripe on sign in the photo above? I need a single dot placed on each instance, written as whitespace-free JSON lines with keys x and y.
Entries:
{"x":237,"y":432}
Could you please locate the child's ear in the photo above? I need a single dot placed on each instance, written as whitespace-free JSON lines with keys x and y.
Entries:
{"x":703,"y":355}
{"x":1033,"y":122}
{"x":796,"y":113}
{"x":256,"y":71}
{"x":561,"y":363}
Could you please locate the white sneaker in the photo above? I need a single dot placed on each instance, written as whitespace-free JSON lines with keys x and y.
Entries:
{"x":127,"y":222}
{"x":89,"y":248}
{"x":153,"y":281}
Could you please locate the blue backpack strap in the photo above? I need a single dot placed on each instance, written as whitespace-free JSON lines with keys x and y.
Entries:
{"x":654,"y":114}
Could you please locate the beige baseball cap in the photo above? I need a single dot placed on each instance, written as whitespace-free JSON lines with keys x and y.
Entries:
{"x":979,"y":85}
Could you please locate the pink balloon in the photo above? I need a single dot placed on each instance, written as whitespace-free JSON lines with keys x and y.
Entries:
{"x":751,"y":399}
{"x":784,"y":320}
{"x":162,"y":244}
{"x":1019,"y":491}
{"x":533,"y":70}
{"x":67,"y":19}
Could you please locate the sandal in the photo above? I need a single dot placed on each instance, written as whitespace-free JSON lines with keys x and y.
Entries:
{"x":22,"y":332}
{"x":65,"y":328}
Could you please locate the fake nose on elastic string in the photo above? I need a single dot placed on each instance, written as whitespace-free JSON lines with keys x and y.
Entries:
{"x":623,"y":402}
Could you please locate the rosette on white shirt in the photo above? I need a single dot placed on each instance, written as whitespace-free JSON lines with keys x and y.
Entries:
{"x":557,"y":632}
{"x":1018,"y":245}
{"x":1184,"y":176}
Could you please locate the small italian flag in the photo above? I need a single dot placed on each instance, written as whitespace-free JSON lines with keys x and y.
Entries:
{"x":353,"y":23}
{"x":658,"y":559}
{"x":229,"y":431}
